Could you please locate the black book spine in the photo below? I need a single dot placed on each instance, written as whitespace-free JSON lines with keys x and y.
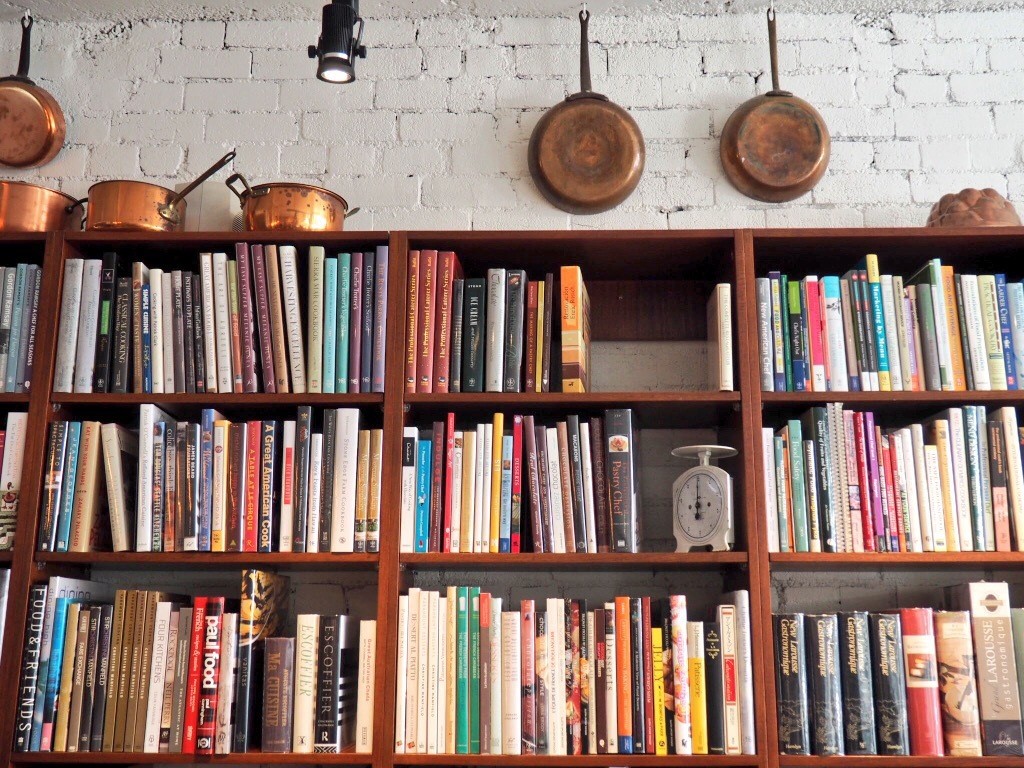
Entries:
{"x":198,"y":340}
{"x":473,"y":343}
{"x":302,"y":439}
{"x":437,"y":468}
{"x":25,"y":383}
{"x":458,"y":301}
{"x":515,"y":299}
{"x":823,"y":683}
{"x":823,"y":448}
{"x":191,"y":498}
{"x":89,"y":691}
{"x":791,"y":685}
{"x":619,"y":461}
{"x":105,"y":323}
{"x":714,"y":691}
{"x":327,"y":737}
{"x":579,"y":512}
{"x":178,"y":334}
{"x":52,"y":483}
{"x":248,"y":689}
{"x":188,"y":321}
{"x":858,"y":697}
{"x":99,"y":706}
{"x":636,"y":646}
{"x":889,"y":684}
{"x":366,"y":325}
{"x":122,"y":335}
{"x":268,"y":491}
{"x":29,"y":667}
{"x":330,"y":450}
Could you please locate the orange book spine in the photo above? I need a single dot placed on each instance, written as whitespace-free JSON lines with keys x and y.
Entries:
{"x":624,"y":675}
{"x":411,"y":314}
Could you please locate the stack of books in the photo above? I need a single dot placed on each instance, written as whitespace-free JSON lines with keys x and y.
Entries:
{"x":512,"y":485}
{"x":235,"y":326}
{"x":19,"y":311}
{"x":12,"y":457}
{"x":905,"y":682}
{"x":836,"y":481}
{"x":867,"y":331}
{"x":149,"y":671}
{"x":497,"y":333}
{"x":630,"y":676}
{"x":213,"y":486}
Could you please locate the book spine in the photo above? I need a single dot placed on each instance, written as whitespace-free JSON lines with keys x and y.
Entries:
{"x":209,"y":676}
{"x":855,"y":675}
{"x":713,"y":686}
{"x":923,"y":712}
{"x":355,"y":322}
{"x":226,"y":692}
{"x":208,"y":305}
{"x":530,"y":378}
{"x":794,"y":720}
{"x":1005,"y":330}
{"x":315,"y":319}
{"x":527,"y":674}
{"x":619,"y":459}
{"x":380,"y":318}
{"x":515,"y":297}
{"x":193,"y":682}
{"x":327,"y":736}
{"x":293,"y":316}
{"x":447,"y":271}
{"x":188,"y":314}
{"x":365,"y":358}
{"x":458,"y":310}
{"x":411,"y":318}
{"x":474,"y":321}
{"x":823,"y":683}
{"x":277,"y":324}
{"x":259,"y":279}
{"x":246,"y":315}
{"x":278,"y":685}
{"x":267,"y":489}
{"x":888,"y":684}
{"x":958,"y":693}
{"x":575,"y":326}
{"x":495,"y":331}
{"x":427,"y":274}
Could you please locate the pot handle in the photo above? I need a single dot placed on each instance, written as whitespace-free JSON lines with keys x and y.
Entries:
{"x":77,"y":204}
{"x":585,"y":81}
{"x":773,"y":50}
{"x":233,"y":179}
{"x":353,"y":212}
{"x":26,"y":46}
{"x":169,"y":211}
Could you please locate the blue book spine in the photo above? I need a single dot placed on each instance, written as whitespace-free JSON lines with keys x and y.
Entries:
{"x":67,"y":494}
{"x":330,"y":322}
{"x":423,"y":462}
{"x":1005,"y":332}
{"x":206,"y":480}
{"x":159,"y":485}
{"x":60,"y":620}
{"x":14,"y":347}
{"x":147,"y":342}
{"x":344,"y":307}
{"x":505,"y":517}
{"x":1015,"y":293}
{"x":878,"y":320}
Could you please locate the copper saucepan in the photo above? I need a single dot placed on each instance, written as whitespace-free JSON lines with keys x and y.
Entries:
{"x":284,"y":206}
{"x":141,"y":206}
{"x":30,"y":208}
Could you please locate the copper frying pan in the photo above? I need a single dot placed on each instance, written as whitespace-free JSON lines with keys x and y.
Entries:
{"x":775,"y":147}
{"x":31,"y":121}
{"x":586,"y":154}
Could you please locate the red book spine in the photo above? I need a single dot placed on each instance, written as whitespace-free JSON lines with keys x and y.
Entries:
{"x":517,"y":484}
{"x":449,"y":477}
{"x":246,"y":317}
{"x":254,"y":431}
{"x":259,"y":278}
{"x":436,"y":478}
{"x":195,"y":665}
{"x":574,"y":715}
{"x":867,"y":519}
{"x":602,"y":513}
{"x":924,"y":715}
{"x":209,"y":677}
{"x":648,"y":677}
{"x":355,"y":324}
{"x":448,"y":270}
{"x":885,"y":483}
{"x":425,"y":322}
{"x":528,"y":624}
{"x":411,"y":316}
{"x":531,"y":336}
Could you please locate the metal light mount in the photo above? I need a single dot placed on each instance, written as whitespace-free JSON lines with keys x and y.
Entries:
{"x":340,"y":42}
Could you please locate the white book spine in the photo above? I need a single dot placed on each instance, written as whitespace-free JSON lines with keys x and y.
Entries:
{"x":407,"y":539}
{"x":469,"y":451}
{"x":167,"y":332}
{"x":219,"y":491}
{"x":931,"y":459}
{"x":479,"y":485}
{"x":778,"y":351}
{"x":588,"y":487}
{"x":403,"y":673}
{"x":511,"y":688}
{"x":728,"y":622}
{"x":307,"y":628}
{"x":316,"y":468}
{"x":433,"y":669}
{"x":977,"y":351}
{"x":293,"y":316}
{"x":682,"y":723}
{"x":909,"y":470}
{"x":343,"y":508}
{"x":695,"y":650}
{"x":169,"y":662}
{"x":902,"y":332}
{"x":611,"y":709}
{"x":85,"y":358}
{"x":986,"y":480}
{"x":990,"y":324}
{"x":412,"y":694}
{"x":494,"y":346}
{"x":157,"y":670}
{"x":892,"y":342}
{"x":424,"y":679}
{"x":837,"y":488}
{"x":209,"y":320}
{"x":226,"y":685}
{"x":555,"y":490}
{"x":365,"y":706}
{"x":156,"y":327}
{"x":438,"y":725}
{"x":942,"y":333}
{"x":222,"y":313}
{"x":67,"y":335}
{"x":457,"y":462}
{"x":495,"y":651}
{"x":559,"y":658}
{"x":839,"y":380}
{"x":771,"y":501}
{"x":1015,"y":473}
{"x":483,"y":513}
{"x":921,"y":476}
{"x":451,"y":669}
{"x":853,"y":489}
{"x":958,"y":446}
{"x":764,"y":333}
{"x":719,"y":318}
{"x":115,"y":485}
{"x":315,"y":318}
{"x":148,"y":416}
{"x":286,"y":539}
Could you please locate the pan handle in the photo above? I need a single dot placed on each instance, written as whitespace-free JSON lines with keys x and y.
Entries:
{"x":24,"y":57}
{"x":773,"y":49}
{"x":586,"y":85}
{"x":169,"y":212}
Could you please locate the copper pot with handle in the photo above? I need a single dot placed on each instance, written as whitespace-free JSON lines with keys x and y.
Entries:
{"x":289,"y":207}
{"x":140,"y":205}
{"x":30,"y":208}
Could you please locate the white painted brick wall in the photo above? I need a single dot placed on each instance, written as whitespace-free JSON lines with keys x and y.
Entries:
{"x":434,"y":132}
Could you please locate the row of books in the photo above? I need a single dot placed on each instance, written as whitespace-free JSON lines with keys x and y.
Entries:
{"x":149,"y":671}
{"x":19,"y":311}
{"x":836,"y":481}
{"x":235,"y":326}
{"x":499,"y":333}
{"x":907,"y":682}
{"x":213,"y":486}
{"x":866,"y":331}
{"x":570,"y":487}
{"x":12,"y":458}
{"x":630,"y":676}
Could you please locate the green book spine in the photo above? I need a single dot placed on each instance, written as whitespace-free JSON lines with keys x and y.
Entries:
{"x":784,"y":293}
{"x":474,"y":670}
{"x":798,"y":483}
{"x":344,"y":297}
{"x":926,"y":318}
{"x":462,"y":671}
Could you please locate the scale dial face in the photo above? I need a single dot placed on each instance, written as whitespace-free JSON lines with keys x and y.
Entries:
{"x":700,"y":505}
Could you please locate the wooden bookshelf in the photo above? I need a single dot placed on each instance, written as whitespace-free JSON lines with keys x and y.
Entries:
{"x":645,"y":286}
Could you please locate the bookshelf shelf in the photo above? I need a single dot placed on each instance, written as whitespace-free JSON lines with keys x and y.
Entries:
{"x":580,"y":761}
{"x":894,"y":400}
{"x":602,"y":561}
{"x":875,"y":761}
{"x":14,"y":398}
{"x":140,"y":758}
{"x":298,"y":561}
{"x":815,"y":561}
{"x":216,"y":399}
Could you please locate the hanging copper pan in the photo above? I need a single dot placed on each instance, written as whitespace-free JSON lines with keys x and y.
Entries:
{"x":775,"y":147}
{"x":586,"y":154}
{"x":31,"y":121}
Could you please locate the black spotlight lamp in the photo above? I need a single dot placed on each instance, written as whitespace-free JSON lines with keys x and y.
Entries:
{"x":340,"y":42}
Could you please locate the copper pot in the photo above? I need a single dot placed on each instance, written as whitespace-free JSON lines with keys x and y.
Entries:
{"x":30,"y":208}
{"x":141,"y":206}
{"x":285,"y":206}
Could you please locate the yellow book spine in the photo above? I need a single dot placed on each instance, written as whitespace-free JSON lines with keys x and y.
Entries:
{"x":956,"y":350}
{"x":538,"y":385}
{"x":941,"y":435}
{"x":698,"y":702}
{"x":469,"y":449}
{"x":658,"y":671}
{"x":498,"y":430}
{"x":575,"y":326}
